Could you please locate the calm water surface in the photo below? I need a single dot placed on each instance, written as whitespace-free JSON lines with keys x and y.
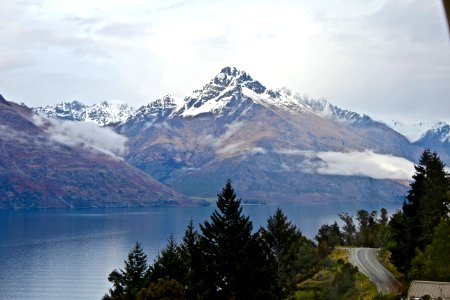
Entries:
{"x":68,"y":254}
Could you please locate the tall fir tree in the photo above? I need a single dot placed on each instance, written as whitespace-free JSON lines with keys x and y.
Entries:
{"x":284,"y":241}
{"x":168,"y":264}
{"x":128,"y":282}
{"x":426,"y":204}
{"x":193,"y":263}
{"x":434,"y":263}
{"x":234,"y":260}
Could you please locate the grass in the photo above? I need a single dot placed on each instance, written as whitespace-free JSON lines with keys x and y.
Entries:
{"x":313,"y":288}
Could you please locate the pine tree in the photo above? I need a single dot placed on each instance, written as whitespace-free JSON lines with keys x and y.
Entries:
{"x":233,"y":256}
{"x":193,"y":263}
{"x":437,"y":255}
{"x":280,"y":235}
{"x":128,"y":282}
{"x":283,"y":240}
{"x":426,"y":204}
{"x":168,"y":264}
{"x":427,"y":201}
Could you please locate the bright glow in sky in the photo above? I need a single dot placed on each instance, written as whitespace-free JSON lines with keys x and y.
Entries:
{"x":386,"y":58}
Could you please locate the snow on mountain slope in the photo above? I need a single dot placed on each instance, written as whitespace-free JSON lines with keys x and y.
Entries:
{"x":215,"y":96}
{"x":276,"y":145}
{"x":103,"y":113}
{"x":416,"y":131}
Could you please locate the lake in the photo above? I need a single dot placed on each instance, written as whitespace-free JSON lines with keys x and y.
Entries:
{"x":68,"y":254}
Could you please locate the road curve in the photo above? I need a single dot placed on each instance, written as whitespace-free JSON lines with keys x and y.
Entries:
{"x":366,"y":261}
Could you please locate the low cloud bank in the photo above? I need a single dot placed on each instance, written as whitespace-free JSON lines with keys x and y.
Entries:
{"x":357,"y":163}
{"x":367,"y":163}
{"x":86,"y":134}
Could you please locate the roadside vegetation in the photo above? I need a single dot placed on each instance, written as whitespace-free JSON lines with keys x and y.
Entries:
{"x":225,"y":258}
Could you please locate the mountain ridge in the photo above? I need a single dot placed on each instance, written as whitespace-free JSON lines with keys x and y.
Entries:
{"x":274,"y":144}
{"x":38,"y":171}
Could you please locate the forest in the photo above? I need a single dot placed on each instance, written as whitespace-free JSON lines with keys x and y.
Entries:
{"x":226,"y":258}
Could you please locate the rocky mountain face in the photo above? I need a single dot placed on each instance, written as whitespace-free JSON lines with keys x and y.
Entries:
{"x":433,"y":135}
{"x":267,"y":141}
{"x":276,"y":146}
{"x":438,"y":139}
{"x":39,"y":170}
{"x":103,"y":113}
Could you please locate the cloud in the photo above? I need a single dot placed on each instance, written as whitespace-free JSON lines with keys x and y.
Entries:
{"x":231,"y":149}
{"x":10,"y":134}
{"x":356,"y":163}
{"x":367,"y":163}
{"x":222,"y":140}
{"x":379,"y":57}
{"x":86,"y":134}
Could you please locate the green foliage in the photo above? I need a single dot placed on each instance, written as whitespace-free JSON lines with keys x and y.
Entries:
{"x":127,"y":282}
{"x":193,"y":263}
{"x":294,"y":255}
{"x":349,"y":229}
{"x":225,"y":260}
{"x":328,"y":237}
{"x":434,"y":263}
{"x":234,"y":260}
{"x":168,"y":264}
{"x":343,"y":282}
{"x":412,"y":229}
{"x":164,"y":289}
{"x":427,"y":201}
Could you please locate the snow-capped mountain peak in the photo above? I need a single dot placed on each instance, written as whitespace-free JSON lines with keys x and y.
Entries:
{"x":103,"y":113}
{"x":231,"y":92}
{"x":232,"y":87}
{"x":416,"y":131}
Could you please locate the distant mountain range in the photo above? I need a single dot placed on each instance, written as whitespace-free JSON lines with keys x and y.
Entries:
{"x":103,"y":113}
{"x":277,"y":146}
{"x":43,"y":167}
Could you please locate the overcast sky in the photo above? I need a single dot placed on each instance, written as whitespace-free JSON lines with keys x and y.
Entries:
{"x":386,"y":58}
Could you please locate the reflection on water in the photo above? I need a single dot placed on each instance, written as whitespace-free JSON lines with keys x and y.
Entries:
{"x":68,"y":254}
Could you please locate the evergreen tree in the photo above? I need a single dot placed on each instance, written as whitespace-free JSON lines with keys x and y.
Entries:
{"x":427,"y":201}
{"x":193,"y":263}
{"x":426,"y":204}
{"x":164,"y":289}
{"x":328,"y":237}
{"x":284,"y":241}
{"x":233,"y":256}
{"x":280,"y":236}
{"x":402,"y":251}
{"x":434,"y":263}
{"x":128,"y":282}
{"x":168,"y":264}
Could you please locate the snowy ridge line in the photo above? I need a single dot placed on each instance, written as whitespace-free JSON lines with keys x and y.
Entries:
{"x":417,"y":131}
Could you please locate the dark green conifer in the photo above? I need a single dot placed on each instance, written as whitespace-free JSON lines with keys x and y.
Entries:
{"x":168,"y":264}
{"x":128,"y":282}
{"x":234,"y":259}
{"x":426,"y":204}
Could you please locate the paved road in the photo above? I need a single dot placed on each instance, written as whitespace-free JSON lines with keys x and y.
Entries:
{"x":366,"y":261}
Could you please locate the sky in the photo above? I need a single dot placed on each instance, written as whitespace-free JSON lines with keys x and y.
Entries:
{"x":389,"y":59}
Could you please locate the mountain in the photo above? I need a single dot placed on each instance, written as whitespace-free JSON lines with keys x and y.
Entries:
{"x":42,"y":166}
{"x":433,"y":135}
{"x":437,"y":139}
{"x":275,"y":145}
{"x":103,"y":113}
